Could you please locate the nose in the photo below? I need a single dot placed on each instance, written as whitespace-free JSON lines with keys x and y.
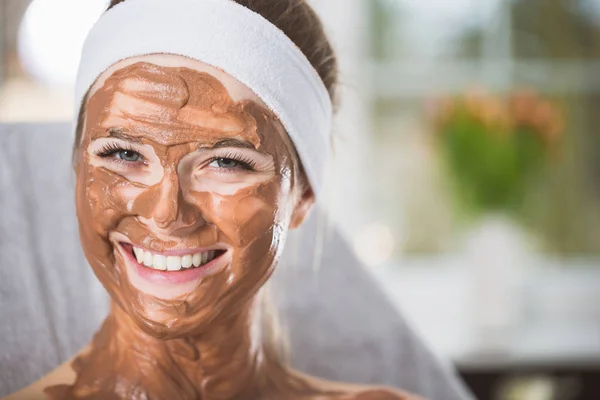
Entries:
{"x":170,"y":209}
{"x":166,"y":208}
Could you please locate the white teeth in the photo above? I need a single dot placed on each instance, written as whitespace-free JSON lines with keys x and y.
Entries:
{"x":148,"y":259}
{"x":186,"y":261}
{"x":159,"y":262}
{"x":139,"y":254}
{"x":173,"y":263}
{"x":197,"y":259}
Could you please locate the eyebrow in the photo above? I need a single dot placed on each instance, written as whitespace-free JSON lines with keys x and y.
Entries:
{"x":234,"y":143}
{"x":230,"y":142}
{"x":119,"y":134}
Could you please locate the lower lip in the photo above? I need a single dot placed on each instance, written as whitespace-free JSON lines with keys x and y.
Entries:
{"x":184,"y":275}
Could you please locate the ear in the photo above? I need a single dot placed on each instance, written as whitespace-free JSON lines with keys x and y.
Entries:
{"x":302,"y":207}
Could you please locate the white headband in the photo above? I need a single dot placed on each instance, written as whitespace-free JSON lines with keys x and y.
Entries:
{"x":230,"y":37}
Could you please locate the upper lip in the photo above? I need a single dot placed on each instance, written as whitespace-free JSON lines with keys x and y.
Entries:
{"x":121,"y":239}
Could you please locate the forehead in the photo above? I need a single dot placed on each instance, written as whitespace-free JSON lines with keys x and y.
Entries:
{"x":237,"y":90}
{"x":175,"y":100}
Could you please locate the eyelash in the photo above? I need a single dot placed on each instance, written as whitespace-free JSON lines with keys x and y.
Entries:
{"x":245,"y":162}
{"x":111,"y":149}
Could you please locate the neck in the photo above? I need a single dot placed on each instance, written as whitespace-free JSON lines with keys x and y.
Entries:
{"x":227,"y":362}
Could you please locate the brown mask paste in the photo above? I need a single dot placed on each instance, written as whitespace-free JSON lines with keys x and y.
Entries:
{"x":201,"y":344}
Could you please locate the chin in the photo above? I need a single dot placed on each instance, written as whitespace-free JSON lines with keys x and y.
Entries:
{"x":183,"y":291}
{"x":163,"y":294}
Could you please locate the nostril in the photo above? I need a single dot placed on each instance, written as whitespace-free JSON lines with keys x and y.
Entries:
{"x":165,"y":213}
{"x":163,"y":223}
{"x":191,"y":218}
{"x":172,"y":209}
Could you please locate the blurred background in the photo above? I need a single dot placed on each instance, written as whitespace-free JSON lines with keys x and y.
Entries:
{"x":466,"y":171}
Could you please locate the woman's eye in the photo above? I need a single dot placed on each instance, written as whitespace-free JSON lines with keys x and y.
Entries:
{"x":117,"y":153}
{"x":129,"y":155}
{"x":228,"y":163}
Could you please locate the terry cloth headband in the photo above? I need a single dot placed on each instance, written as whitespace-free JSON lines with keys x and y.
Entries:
{"x":232,"y":38}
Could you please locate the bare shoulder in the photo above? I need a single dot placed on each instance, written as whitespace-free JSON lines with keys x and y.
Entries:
{"x":349,"y":391}
{"x":61,"y":375}
{"x":381,"y":393}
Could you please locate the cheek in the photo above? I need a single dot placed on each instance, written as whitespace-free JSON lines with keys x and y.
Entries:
{"x":108,"y":197}
{"x":229,"y":184}
{"x":254,"y":216}
{"x":248,"y":215}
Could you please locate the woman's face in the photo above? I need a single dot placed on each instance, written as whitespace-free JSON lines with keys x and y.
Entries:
{"x":185,"y":192}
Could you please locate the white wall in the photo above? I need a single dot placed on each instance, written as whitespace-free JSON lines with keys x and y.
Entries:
{"x":346,"y":23}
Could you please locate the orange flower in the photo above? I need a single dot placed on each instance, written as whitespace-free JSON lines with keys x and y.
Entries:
{"x":522,"y":104}
{"x":522,"y":108}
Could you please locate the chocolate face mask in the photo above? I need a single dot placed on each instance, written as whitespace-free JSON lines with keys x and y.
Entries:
{"x":174,"y":175}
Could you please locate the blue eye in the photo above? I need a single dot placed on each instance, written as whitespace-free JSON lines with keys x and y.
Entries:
{"x":129,"y":155}
{"x":226,"y":163}
{"x":231,"y":164}
{"x":119,"y":154}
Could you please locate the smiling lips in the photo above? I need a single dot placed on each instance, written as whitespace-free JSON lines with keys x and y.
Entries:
{"x":173,"y":263}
